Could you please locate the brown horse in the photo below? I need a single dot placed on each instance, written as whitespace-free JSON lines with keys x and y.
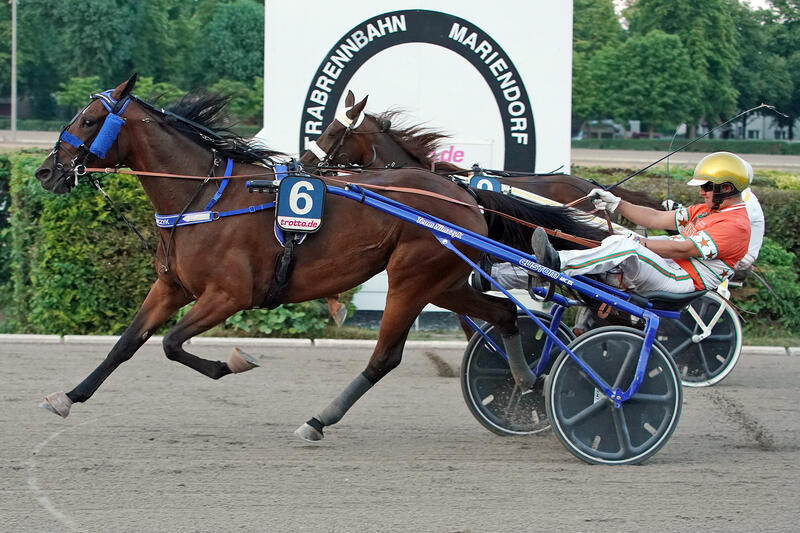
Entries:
{"x":362,"y":140}
{"x":375,"y":143}
{"x":228,"y":263}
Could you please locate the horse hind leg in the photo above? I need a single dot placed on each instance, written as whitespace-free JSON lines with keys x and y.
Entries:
{"x":337,"y":309}
{"x":398,"y":317}
{"x":210,"y":309}
{"x":163,"y":300}
{"x":501,"y":312}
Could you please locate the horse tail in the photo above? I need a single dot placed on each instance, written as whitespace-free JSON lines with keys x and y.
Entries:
{"x":551,"y":217}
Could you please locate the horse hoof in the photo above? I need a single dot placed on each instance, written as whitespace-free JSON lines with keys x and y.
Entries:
{"x":308,"y":433}
{"x":240,"y":361}
{"x":340,"y":315}
{"x":57,"y":403}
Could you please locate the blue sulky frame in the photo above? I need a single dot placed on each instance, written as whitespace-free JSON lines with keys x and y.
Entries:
{"x":446,"y":233}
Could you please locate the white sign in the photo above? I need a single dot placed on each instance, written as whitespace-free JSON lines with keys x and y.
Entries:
{"x":496,"y":77}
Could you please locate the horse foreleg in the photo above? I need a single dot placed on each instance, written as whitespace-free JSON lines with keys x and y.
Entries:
{"x":210,"y":309}
{"x":163,"y":300}
{"x":398,"y":317}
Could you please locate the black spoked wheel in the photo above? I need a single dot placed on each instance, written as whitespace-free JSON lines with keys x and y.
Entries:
{"x":703,"y":362}
{"x":489,"y":388}
{"x":586,"y":420}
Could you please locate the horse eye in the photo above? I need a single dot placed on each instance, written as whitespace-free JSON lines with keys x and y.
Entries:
{"x":87,"y":122}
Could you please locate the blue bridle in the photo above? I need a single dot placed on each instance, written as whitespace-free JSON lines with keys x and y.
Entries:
{"x":108,"y":132}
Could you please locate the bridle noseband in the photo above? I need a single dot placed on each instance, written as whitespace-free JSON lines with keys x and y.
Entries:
{"x":326,"y":159}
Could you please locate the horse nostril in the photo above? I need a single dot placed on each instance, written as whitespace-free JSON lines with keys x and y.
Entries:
{"x":42,"y":174}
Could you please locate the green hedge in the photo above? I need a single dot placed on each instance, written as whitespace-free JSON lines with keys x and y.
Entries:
{"x":5,"y":204}
{"x":763,"y":309}
{"x":703,"y":145}
{"x":69,"y":265}
{"x":74,"y":267}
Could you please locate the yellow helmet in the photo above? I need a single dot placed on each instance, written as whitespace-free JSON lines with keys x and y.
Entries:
{"x":722,"y":167}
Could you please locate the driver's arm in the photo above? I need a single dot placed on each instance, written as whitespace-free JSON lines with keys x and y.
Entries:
{"x":647,"y":216}
{"x":672,"y":248}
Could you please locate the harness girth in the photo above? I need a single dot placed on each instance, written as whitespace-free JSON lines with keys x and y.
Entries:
{"x":284,"y":265}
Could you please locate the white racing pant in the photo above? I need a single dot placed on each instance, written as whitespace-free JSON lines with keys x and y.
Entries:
{"x":642,"y":269}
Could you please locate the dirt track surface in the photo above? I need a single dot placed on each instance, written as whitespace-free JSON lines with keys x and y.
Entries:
{"x":162,"y":448}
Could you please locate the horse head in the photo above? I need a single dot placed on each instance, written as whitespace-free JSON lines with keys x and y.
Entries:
{"x":327,"y":149}
{"x":88,"y":137}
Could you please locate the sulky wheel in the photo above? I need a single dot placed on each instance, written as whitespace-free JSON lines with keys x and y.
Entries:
{"x":703,"y":362}
{"x":489,"y":388}
{"x":585,"y":419}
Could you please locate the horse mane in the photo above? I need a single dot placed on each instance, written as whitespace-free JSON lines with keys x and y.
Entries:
{"x":206,"y":109}
{"x":420,"y":142}
{"x":547,"y":216}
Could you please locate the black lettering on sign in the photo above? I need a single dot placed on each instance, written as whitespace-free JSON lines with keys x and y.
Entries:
{"x":440,"y":29}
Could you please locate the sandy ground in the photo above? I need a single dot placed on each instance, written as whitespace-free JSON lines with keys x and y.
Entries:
{"x":162,"y":448}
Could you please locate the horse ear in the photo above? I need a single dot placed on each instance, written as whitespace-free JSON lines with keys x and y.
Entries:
{"x":350,"y":99}
{"x":125,"y":89}
{"x":356,"y":110}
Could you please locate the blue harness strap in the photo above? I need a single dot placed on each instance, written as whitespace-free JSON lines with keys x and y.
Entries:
{"x":199,"y":217}
{"x":70,"y":139}
{"x":222,"y":185}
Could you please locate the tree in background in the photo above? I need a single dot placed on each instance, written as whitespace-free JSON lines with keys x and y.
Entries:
{"x":648,"y":78}
{"x":595,"y":26}
{"x":75,"y":93}
{"x":784,"y":40}
{"x":5,"y":48}
{"x":247,"y":101}
{"x":230,"y":45}
{"x":81,"y":38}
{"x":159,"y":50}
{"x":178,"y":42}
{"x":761,"y":75}
{"x":161,"y":92}
{"x":708,"y":34}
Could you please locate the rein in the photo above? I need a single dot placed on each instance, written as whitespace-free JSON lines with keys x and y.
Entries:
{"x":589,"y":243}
{"x":108,"y":170}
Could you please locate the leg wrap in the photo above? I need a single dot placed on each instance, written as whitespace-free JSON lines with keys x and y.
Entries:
{"x":338,"y":407}
{"x":523,"y":375}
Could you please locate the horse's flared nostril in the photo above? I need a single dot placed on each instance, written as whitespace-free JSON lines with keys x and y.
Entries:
{"x":43,"y":174}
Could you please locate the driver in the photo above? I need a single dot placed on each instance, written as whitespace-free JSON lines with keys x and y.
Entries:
{"x":756,"y":215}
{"x":713,"y":236}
